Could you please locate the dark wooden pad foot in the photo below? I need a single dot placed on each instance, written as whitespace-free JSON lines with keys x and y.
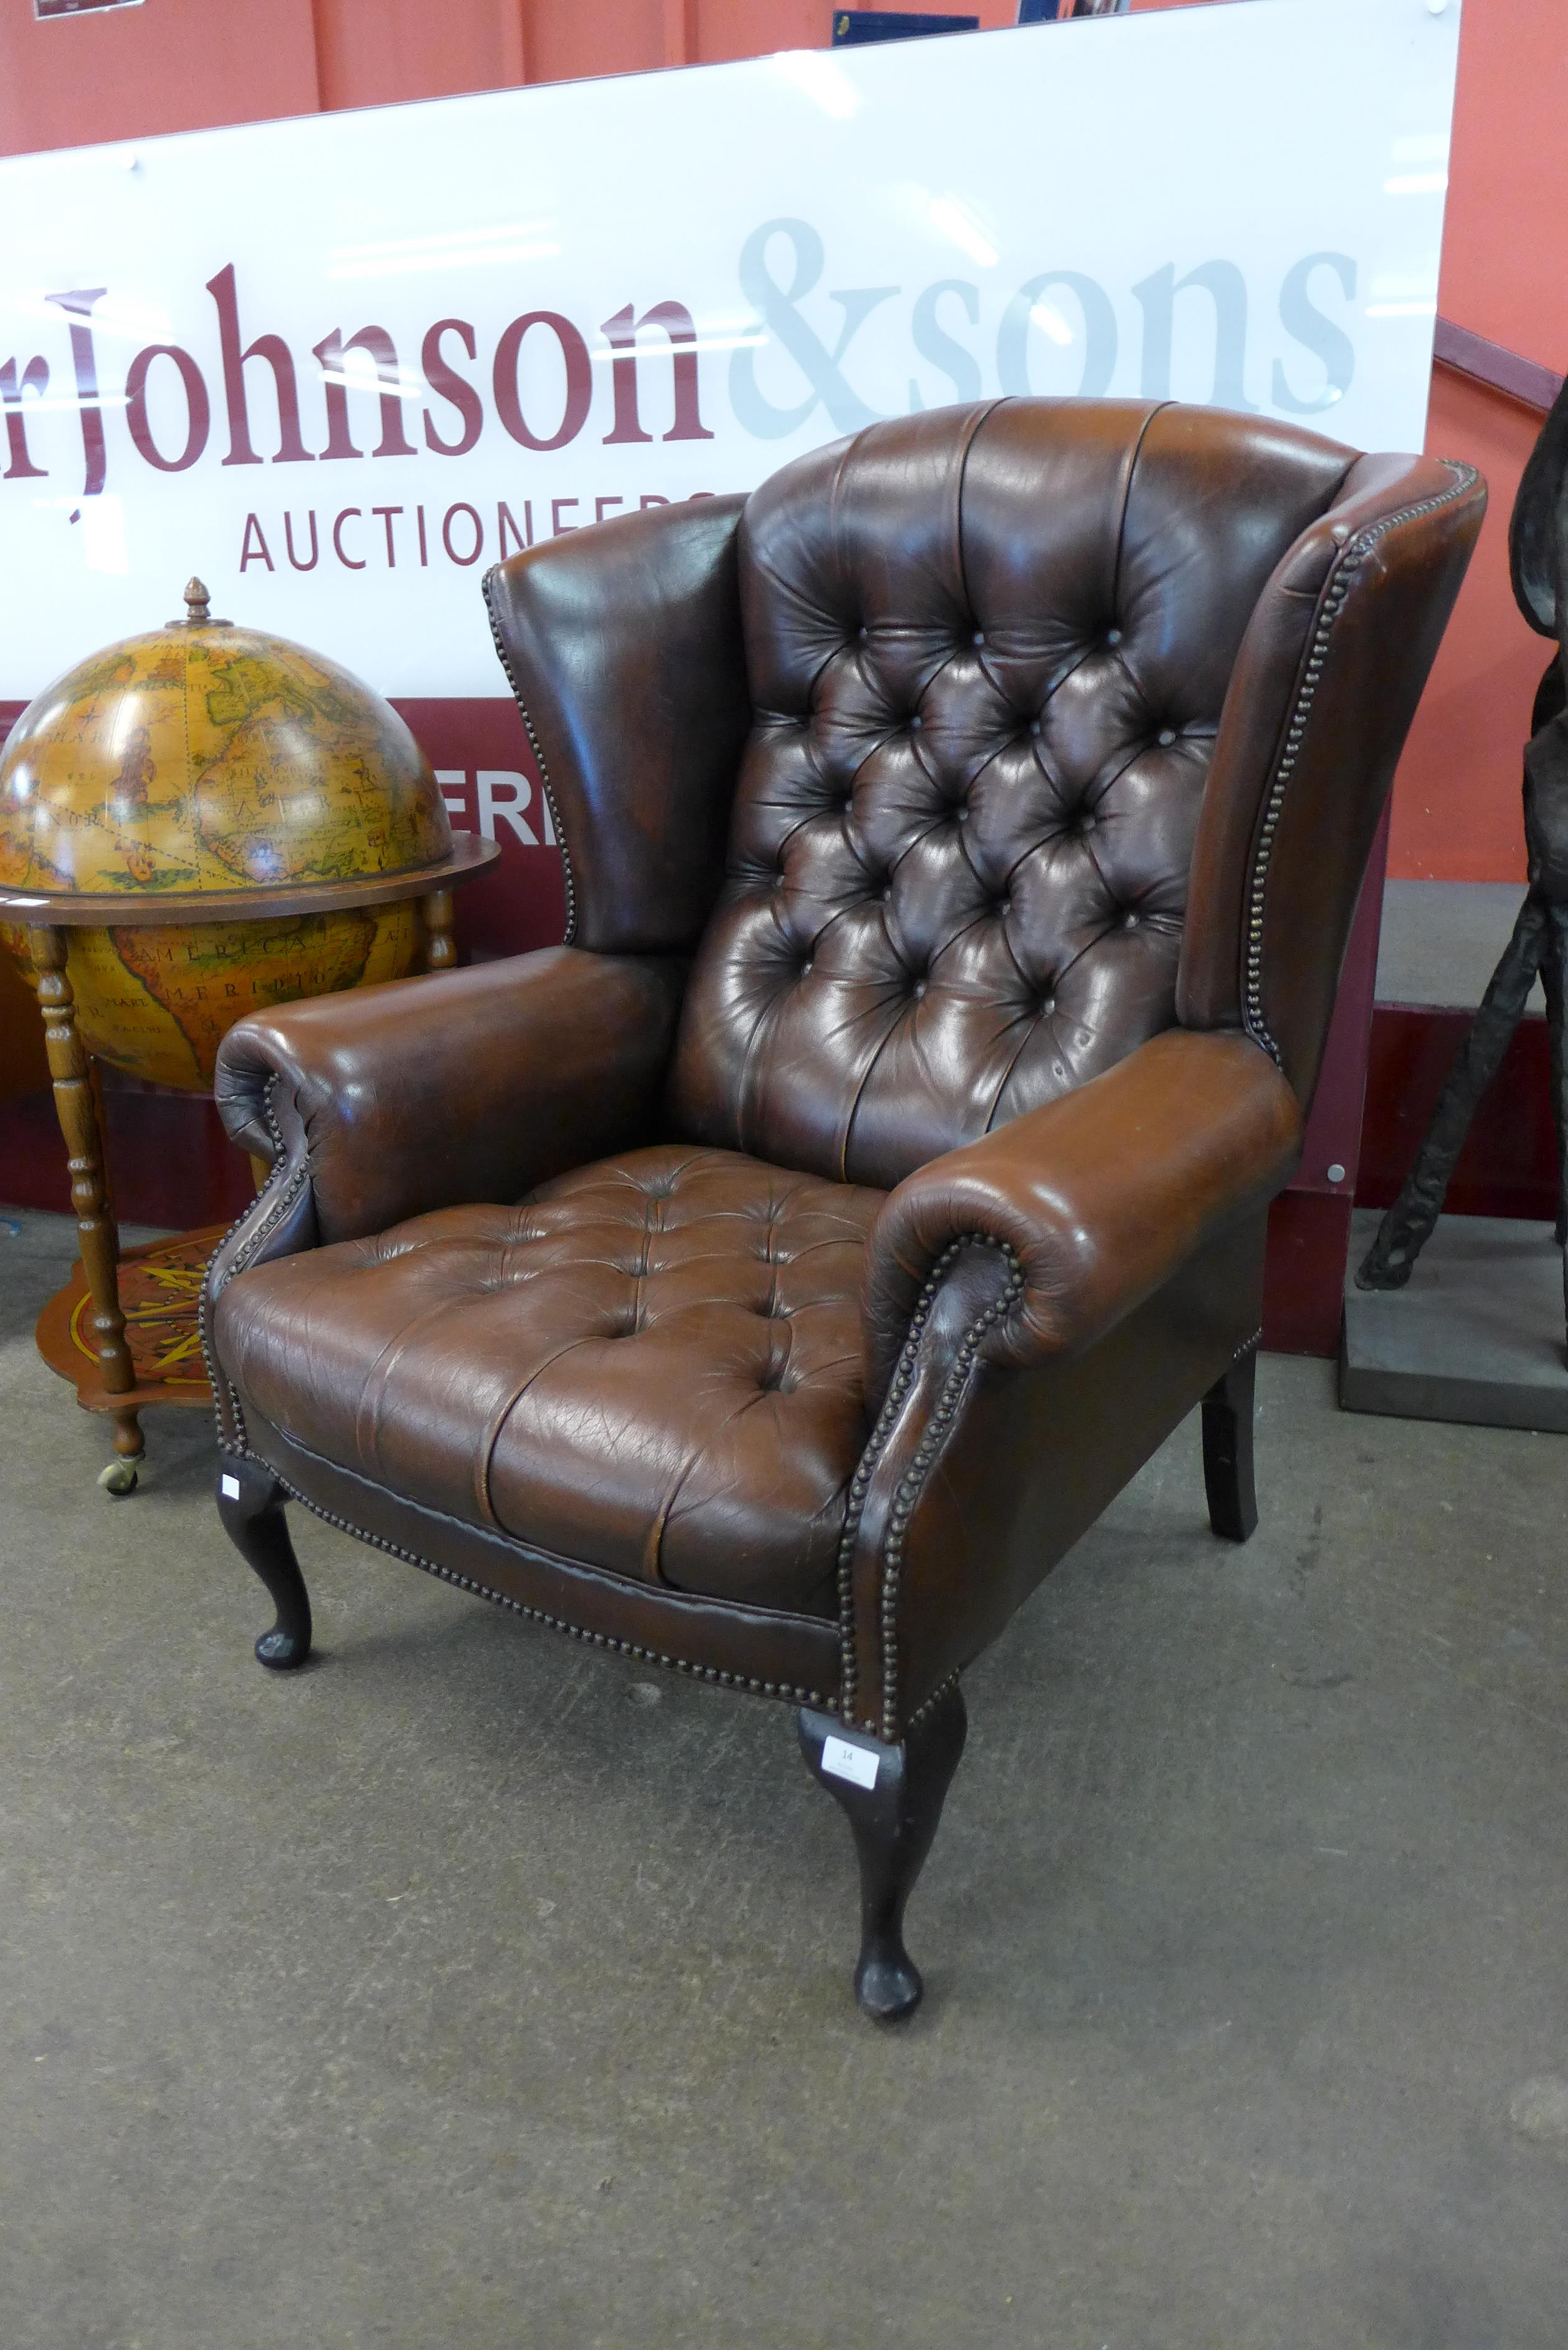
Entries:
{"x":251,"y":1506}
{"x":893,"y":1798}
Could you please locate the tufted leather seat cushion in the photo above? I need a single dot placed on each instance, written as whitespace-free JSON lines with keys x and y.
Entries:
{"x":988,"y":656}
{"x":652,"y":1365}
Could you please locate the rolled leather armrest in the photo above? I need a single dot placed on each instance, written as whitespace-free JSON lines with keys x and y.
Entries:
{"x":469,"y":1085}
{"x":1095,"y":1197}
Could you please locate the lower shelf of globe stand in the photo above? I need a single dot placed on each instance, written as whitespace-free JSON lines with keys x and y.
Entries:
{"x":159,"y":1295}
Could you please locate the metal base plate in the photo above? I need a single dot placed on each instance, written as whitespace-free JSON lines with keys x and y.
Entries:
{"x":1476,"y":1336}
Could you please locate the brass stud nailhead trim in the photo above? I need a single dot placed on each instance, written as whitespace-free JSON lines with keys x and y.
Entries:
{"x":545,"y":784}
{"x":910,"y":1484}
{"x":784,"y":1689}
{"x":934,"y":1700}
{"x":288,"y":1193}
{"x":1348,"y":564}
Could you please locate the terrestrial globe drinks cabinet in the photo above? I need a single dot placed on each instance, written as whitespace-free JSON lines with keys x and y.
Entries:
{"x":197,"y":823}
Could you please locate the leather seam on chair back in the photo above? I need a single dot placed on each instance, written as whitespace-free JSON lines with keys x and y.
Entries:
{"x":973,"y":426}
{"x":1134,"y":453}
{"x":989,"y":1127}
{"x":1336,"y":590}
{"x":979,"y":418}
{"x":761,"y":1034}
{"x":786,"y":1691}
{"x":1006,"y":1076}
{"x":762,"y":1030}
{"x":537,"y":749}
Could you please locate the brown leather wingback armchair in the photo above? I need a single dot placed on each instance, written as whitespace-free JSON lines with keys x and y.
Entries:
{"x":962,"y":833}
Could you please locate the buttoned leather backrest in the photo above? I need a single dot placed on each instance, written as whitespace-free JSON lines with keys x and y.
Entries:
{"x":988,"y":650}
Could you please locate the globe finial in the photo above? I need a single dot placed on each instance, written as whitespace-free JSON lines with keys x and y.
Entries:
{"x":197,"y":611}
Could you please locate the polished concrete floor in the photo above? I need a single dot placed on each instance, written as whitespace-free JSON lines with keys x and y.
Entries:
{"x":470,"y":1991}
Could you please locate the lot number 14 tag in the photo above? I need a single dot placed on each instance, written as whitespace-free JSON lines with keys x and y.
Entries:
{"x":845,"y":1761}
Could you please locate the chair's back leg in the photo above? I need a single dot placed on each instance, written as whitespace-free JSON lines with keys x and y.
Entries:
{"x":251,"y":1506}
{"x":1227,"y":1450}
{"x":893,"y":1796}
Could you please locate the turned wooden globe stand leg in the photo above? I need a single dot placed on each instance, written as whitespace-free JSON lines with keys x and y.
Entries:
{"x":76,"y":1106}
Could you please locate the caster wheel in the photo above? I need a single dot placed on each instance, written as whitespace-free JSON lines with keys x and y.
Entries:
{"x":119,"y":1479}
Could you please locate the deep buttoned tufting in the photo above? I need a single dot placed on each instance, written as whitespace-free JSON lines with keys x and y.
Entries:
{"x":652,"y":1365}
{"x":988,"y":659}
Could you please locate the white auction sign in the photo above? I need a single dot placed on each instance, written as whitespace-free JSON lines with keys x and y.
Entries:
{"x":339,"y":365}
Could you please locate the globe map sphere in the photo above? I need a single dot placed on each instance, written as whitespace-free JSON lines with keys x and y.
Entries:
{"x":205,"y":758}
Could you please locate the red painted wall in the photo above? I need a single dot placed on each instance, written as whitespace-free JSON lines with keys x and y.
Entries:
{"x":175,"y":64}
{"x":168,"y":65}
{"x":1505,"y":248}
{"x":1504,"y":276}
{"x":405,"y":48}
{"x":1457,"y":809}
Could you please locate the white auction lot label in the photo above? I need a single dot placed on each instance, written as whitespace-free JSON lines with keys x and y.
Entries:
{"x":843,"y":1760}
{"x":338,"y":366}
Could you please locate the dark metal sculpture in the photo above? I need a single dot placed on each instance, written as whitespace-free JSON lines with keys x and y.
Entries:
{"x":1538,"y":561}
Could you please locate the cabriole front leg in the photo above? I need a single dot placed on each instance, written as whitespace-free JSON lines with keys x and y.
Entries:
{"x":893,"y":1796}
{"x":251,"y":1506}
